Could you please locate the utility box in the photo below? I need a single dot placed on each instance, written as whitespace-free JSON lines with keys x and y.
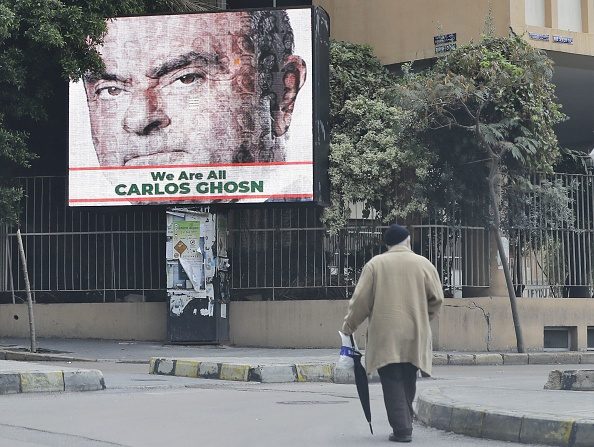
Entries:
{"x":197,"y":285}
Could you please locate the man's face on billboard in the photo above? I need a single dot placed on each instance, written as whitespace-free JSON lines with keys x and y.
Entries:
{"x":184,"y":89}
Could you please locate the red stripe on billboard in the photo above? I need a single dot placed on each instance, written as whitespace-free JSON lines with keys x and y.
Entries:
{"x":205,"y":165}
{"x":193,"y":198}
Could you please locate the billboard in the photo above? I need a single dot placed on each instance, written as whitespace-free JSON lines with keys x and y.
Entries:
{"x":202,"y":108}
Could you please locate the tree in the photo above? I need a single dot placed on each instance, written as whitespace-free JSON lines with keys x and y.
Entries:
{"x":375,"y":158}
{"x":496,"y":94}
{"x":42,"y":46}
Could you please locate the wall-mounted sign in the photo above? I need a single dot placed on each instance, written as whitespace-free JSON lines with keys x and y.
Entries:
{"x":444,"y":43}
{"x":444,"y":38}
{"x":445,"y":48}
{"x":538,"y":36}
{"x":563,"y":39}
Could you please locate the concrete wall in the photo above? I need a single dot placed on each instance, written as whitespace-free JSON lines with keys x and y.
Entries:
{"x":289,"y":324}
{"x":118,"y":321}
{"x":466,"y":324}
{"x":403,"y":30}
{"x":485,"y":324}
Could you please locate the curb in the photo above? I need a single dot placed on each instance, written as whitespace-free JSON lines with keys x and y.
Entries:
{"x":327,"y":372}
{"x":23,"y":356}
{"x":294,"y":372}
{"x":531,"y":358}
{"x":438,"y":411}
{"x":51,"y":381}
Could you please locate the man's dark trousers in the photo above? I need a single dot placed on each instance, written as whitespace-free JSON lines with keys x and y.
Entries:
{"x":399,"y":384}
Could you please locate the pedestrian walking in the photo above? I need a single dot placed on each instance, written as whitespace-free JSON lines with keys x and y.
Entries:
{"x":399,"y":292}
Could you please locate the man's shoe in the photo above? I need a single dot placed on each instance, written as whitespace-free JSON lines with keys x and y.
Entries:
{"x":400,"y":438}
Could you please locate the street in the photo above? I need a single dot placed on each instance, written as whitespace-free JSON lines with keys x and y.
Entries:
{"x":142,"y":410}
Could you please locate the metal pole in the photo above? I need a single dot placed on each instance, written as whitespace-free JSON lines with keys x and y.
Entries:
{"x":28,"y":289}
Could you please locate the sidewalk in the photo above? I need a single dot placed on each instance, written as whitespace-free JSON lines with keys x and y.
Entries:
{"x":517,"y":411}
{"x":489,"y":395}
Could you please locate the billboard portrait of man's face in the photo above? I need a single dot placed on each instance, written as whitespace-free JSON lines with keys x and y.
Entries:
{"x":187,"y":89}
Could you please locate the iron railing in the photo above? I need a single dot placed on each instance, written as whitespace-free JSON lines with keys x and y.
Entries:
{"x":552,"y":255}
{"x":100,"y":253}
{"x":283,"y":262}
{"x":282,"y":251}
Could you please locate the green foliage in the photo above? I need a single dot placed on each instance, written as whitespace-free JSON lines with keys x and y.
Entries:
{"x":375,"y":160}
{"x":492,"y":106}
{"x":43,"y":43}
{"x":354,"y":71}
{"x":541,"y":204}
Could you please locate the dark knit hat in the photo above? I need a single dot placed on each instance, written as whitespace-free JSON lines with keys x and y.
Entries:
{"x":395,"y":234}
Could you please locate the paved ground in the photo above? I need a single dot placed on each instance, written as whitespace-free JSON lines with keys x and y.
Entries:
{"x":503,"y":388}
{"x":142,"y":410}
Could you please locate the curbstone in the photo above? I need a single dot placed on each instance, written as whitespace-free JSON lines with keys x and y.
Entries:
{"x":543,"y":431}
{"x":165,"y":367}
{"x":542,"y":358}
{"x":461,"y":359}
{"x":467,"y":421}
{"x":152,"y":365}
{"x":42,"y":382}
{"x":554,"y":358}
{"x":37,"y":357}
{"x":186,"y":368}
{"x":440,"y":416}
{"x":315,"y":372}
{"x":488,"y":359}
{"x":554,"y":380}
{"x":84,"y":380}
{"x":571,"y":380}
{"x":10,"y":383}
{"x":440,"y":359}
{"x":344,"y":375}
{"x":587,"y":358}
{"x":515,"y":358}
{"x":583,"y":434}
{"x":230,"y":371}
{"x":273,"y":374}
{"x":503,"y":427}
{"x":424,"y":411}
{"x":18,"y":356}
{"x":584,"y":380}
{"x":209,"y":370}
{"x":568,"y":358}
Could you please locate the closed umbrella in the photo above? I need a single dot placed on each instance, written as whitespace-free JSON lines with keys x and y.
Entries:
{"x":361,"y":382}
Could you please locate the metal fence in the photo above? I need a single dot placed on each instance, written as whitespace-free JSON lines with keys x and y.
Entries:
{"x":92,"y":254}
{"x":283,"y":252}
{"x":552,"y":255}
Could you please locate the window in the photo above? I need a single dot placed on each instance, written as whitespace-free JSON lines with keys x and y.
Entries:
{"x":559,"y":338}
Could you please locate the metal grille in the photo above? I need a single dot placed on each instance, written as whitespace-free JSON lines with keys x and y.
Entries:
{"x":113,"y":251}
{"x":552,"y":255}
{"x":285,"y":253}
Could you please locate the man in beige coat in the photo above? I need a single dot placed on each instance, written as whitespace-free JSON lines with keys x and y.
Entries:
{"x":399,"y":291}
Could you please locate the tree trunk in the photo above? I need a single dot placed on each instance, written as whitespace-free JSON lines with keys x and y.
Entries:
{"x":496,"y":226}
{"x":28,"y":289}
